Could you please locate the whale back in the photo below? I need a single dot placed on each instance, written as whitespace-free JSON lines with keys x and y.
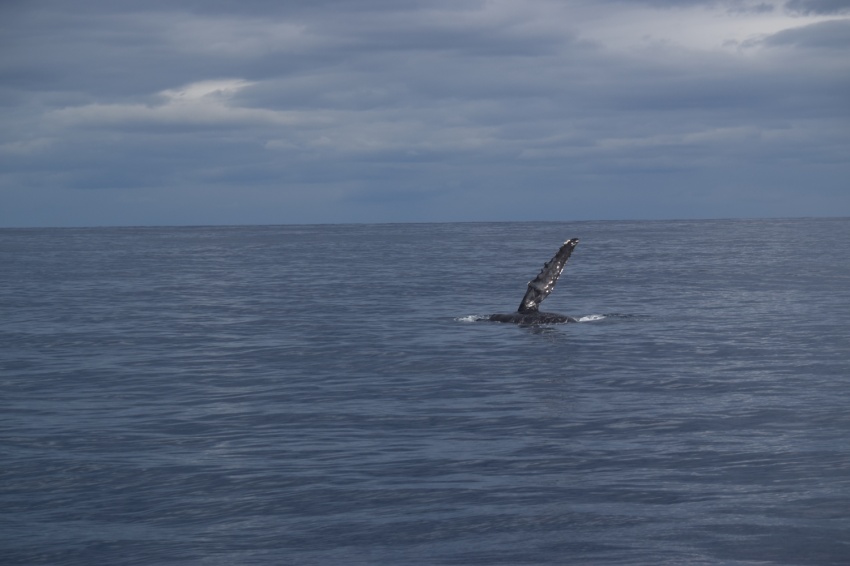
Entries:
{"x":541,"y":286}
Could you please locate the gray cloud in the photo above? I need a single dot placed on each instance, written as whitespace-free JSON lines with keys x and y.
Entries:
{"x":828,"y":7}
{"x":834,"y":34}
{"x":386,"y":111}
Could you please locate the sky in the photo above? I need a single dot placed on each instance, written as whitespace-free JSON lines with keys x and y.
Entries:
{"x":169,"y":112}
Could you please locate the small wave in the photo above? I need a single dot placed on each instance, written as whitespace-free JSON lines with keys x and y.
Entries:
{"x":622,"y":315}
{"x":591,"y":317}
{"x":472,"y":318}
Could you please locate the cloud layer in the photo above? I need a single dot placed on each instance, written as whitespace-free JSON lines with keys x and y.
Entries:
{"x":329,"y":111}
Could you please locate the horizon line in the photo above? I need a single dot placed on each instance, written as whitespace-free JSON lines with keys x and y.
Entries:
{"x":390,"y":223}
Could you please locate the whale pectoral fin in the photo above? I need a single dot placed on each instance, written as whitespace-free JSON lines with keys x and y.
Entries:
{"x":540,"y":287}
{"x":531,"y":300}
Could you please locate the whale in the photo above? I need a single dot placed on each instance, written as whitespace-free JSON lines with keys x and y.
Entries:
{"x":539,"y":288}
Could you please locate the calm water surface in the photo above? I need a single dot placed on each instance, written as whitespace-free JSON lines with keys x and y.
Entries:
{"x":325,"y":395}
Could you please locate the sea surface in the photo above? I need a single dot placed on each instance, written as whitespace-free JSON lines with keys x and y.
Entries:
{"x":314,"y":395}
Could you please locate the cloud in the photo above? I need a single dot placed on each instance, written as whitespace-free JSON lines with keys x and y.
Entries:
{"x":205,"y":103}
{"x":818,"y":6}
{"x":832,"y":34}
{"x":379,"y":110}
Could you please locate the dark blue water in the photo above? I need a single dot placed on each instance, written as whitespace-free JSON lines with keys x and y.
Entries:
{"x":319,"y":395}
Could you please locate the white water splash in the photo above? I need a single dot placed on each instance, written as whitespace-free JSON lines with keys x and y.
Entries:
{"x":477,"y":317}
{"x":471,"y":318}
{"x":591,"y":317}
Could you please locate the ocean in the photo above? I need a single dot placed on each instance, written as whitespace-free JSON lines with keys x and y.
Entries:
{"x":314,"y":395}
